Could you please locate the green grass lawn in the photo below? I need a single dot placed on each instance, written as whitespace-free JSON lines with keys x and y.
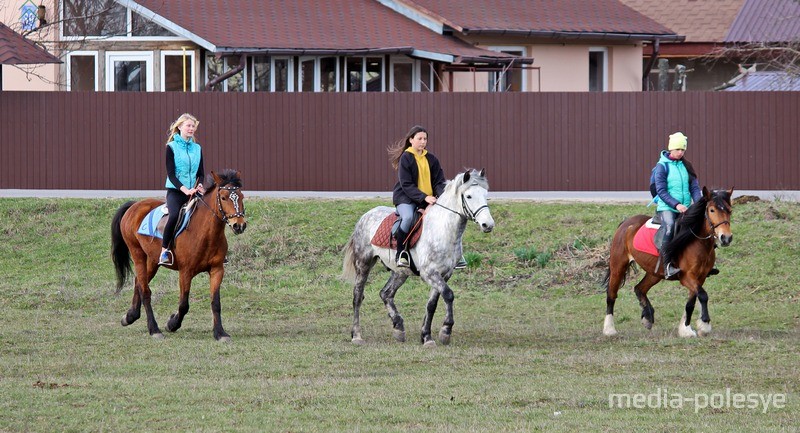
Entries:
{"x":527,"y":351}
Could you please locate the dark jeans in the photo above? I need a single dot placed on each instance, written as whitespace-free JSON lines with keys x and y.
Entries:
{"x":175,"y":199}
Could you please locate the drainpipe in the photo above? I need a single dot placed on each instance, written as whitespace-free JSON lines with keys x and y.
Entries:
{"x":210,"y":85}
{"x":650,"y":63}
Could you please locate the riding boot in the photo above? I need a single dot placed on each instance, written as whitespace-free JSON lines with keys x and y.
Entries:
{"x":402,"y":255}
{"x":671,"y":270}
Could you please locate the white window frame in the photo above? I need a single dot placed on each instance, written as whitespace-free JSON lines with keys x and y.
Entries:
{"x":112,"y":56}
{"x":319,"y":73}
{"x":603,"y":50}
{"x":418,"y":76}
{"x":520,"y":48}
{"x":189,"y":61}
{"x":96,"y":68}
{"x":315,"y":79}
{"x":290,"y":78}
{"x":415,"y":72}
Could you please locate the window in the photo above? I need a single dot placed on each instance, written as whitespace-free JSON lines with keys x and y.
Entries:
{"x":82,"y":71}
{"x":261,"y":74}
{"x":355,"y":73}
{"x":426,"y":76}
{"x":374,"y":74}
{"x":364,"y":74}
{"x":329,"y":74}
{"x":282,"y":77}
{"x":508,"y":79}
{"x":177,"y":71}
{"x":218,"y":66}
{"x":106,"y":18}
{"x":307,"y":71}
{"x":402,"y":77}
{"x":598,"y":69}
{"x":129,"y":71}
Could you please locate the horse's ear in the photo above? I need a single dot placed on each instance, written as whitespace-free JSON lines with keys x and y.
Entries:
{"x":483,"y":172}
{"x":466,"y":176}
{"x":216,"y":178}
{"x":706,"y":193}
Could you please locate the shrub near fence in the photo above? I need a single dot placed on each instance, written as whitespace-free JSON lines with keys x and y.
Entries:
{"x":337,"y":142}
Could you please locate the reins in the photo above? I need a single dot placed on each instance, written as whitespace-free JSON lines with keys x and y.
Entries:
{"x":468,"y":213}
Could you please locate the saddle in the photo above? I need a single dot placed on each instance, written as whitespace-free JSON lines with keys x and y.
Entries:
{"x":154,"y":222}
{"x":383,"y":236}
{"x":649,"y":237}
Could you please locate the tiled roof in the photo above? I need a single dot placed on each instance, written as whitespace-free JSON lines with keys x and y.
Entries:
{"x":765,"y":81}
{"x":766,"y":21}
{"x":543,"y":17}
{"x":302,"y":26}
{"x":698,"y":20}
{"x":16,"y":50}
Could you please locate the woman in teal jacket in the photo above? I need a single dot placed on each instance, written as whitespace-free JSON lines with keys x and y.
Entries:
{"x":184,"y":171}
{"x":676,"y":188}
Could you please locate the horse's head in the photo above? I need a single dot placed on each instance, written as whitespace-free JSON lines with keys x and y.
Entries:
{"x":230,"y":199}
{"x":473,"y":188}
{"x":718,"y":214}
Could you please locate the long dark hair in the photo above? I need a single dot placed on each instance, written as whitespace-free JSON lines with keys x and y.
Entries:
{"x":396,"y":150}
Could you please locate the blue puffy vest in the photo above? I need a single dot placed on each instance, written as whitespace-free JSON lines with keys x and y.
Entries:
{"x":187,"y":161}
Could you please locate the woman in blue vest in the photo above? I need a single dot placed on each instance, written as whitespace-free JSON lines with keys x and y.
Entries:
{"x":184,"y":171}
{"x":676,"y":188}
{"x":420,"y":179}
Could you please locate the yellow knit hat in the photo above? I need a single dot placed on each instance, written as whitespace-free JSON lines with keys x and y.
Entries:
{"x":677,"y":141}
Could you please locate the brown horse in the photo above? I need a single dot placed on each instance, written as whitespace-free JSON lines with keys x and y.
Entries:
{"x":200,"y":248}
{"x":697,"y":233}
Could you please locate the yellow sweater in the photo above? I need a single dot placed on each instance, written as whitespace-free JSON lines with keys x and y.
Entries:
{"x":424,"y":178}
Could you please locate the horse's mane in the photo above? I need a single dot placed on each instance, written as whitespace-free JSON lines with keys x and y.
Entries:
{"x":227,"y":177}
{"x":451,"y":188}
{"x":690,"y":223}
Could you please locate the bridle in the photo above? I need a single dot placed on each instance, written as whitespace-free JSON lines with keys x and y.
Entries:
{"x":467,"y":214}
{"x":712,"y":227}
{"x":234,"y":196}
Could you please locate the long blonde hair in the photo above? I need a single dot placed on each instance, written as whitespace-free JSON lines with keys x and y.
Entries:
{"x":396,"y":150}
{"x":173,"y":129}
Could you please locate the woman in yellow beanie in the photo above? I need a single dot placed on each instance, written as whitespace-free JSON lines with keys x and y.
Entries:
{"x":676,"y":188}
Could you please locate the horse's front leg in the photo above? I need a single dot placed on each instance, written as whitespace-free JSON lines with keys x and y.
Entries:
{"x":685,"y":327}
{"x":449,"y":320}
{"x":704,"y":322}
{"x":387,"y":294}
{"x":215,"y":277}
{"x":175,"y":320}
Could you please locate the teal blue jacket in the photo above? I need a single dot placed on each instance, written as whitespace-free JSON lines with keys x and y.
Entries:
{"x":674,"y":185}
{"x":184,"y":163}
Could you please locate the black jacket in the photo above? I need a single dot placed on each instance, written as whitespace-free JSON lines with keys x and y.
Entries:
{"x":406,"y":191}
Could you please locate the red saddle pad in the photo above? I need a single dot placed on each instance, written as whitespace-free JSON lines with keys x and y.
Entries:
{"x":643,"y":240}
{"x":384,"y":233}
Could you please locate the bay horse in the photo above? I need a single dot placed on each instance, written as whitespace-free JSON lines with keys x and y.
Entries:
{"x":435,"y":254}
{"x":706,"y":224}
{"x":201,"y":247}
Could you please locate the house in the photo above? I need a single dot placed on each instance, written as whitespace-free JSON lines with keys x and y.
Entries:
{"x":720,"y":35}
{"x":16,"y":50}
{"x":351,"y":45}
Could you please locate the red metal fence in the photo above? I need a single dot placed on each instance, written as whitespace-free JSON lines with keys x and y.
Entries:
{"x":337,"y":142}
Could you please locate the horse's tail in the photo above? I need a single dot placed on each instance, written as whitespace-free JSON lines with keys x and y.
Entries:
{"x":349,"y":264}
{"x":120,"y":254}
{"x":607,"y":278}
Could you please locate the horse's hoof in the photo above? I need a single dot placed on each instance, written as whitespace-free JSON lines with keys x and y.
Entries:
{"x":124,"y":321}
{"x":647,"y":323}
{"x":430,"y":344}
{"x":608,"y":326}
{"x":358,"y":341}
{"x":703,"y":328}
{"x":225,"y":339}
{"x":399,"y":335}
{"x":444,"y":338}
{"x":686,"y":332}
{"x":157,"y":336}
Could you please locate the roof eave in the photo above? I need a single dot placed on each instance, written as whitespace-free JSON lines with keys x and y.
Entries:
{"x":557,"y":34}
{"x":167,"y":24}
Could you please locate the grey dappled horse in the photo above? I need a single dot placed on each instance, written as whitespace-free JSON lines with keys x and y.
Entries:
{"x":435,"y":254}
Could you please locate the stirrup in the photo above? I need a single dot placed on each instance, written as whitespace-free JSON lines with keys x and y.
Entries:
{"x":402,"y":261}
{"x":461,"y":263}
{"x":165,"y":259}
{"x":671,"y":272}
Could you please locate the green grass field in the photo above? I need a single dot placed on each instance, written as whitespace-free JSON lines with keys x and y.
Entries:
{"x":527,"y":352}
